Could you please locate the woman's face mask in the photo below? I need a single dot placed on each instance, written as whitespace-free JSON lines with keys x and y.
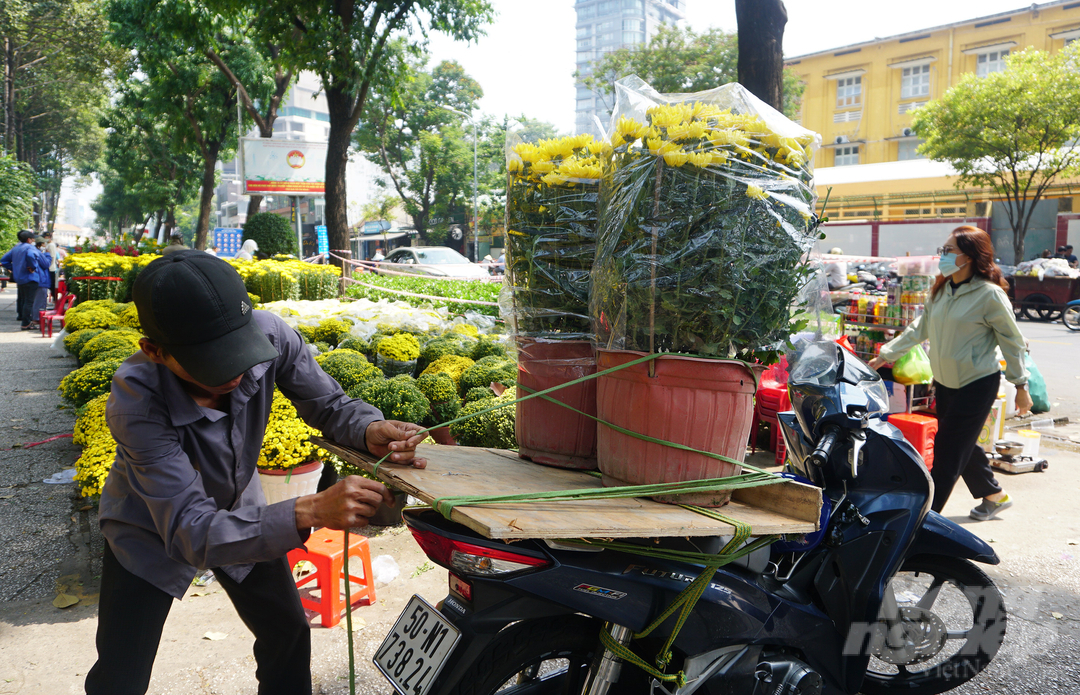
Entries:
{"x":947,"y":264}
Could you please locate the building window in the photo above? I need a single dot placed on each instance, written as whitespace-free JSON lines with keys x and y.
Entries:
{"x":994,"y":61}
{"x":607,"y":6}
{"x":584,"y":104}
{"x":632,"y":4}
{"x":586,"y":12}
{"x":297,"y":111}
{"x":906,"y":149}
{"x":849,"y":91}
{"x":320,"y":116}
{"x":915,"y":82}
{"x":608,"y":38}
{"x":633,"y":37}
{"x":632,"y":25}
{"x":607,"y":26}
{"x":280,"y":126}
{"x":582,"y":32}
{"x":584,"y":43}
{"x":296,"y":127}
{"x":847,"y":156}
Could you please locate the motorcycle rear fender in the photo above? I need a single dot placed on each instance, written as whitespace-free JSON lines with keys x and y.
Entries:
{"x":941,"y":536}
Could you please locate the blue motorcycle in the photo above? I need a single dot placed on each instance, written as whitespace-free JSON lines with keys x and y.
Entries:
{"x":883,"y":599}
{"x":1070,"y":315}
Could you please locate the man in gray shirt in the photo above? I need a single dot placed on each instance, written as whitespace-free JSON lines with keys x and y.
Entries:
{"x":189,"y":414}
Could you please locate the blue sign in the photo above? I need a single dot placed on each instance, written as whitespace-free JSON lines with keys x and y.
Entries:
{"x":324,"y":242}
{"x":228,"y":241}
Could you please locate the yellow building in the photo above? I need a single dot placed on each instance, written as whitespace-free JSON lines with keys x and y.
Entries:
{"x":860,"y":98}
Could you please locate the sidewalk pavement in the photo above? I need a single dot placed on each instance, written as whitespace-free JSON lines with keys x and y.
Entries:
{"x":49,"y":540}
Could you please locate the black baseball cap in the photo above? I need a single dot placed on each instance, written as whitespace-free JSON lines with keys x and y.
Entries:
{"x":195,"y":306}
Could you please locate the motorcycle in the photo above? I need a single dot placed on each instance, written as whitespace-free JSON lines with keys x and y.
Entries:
{"x":883,"y":599}
{"x":1070,"y":315}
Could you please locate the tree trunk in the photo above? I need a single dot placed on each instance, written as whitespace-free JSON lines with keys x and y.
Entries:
{"x":157,"y":225}
{"x":340,"y":106}
{"x":761,"y":49}
{"x":254,"y":203}
{"x":206,"y":196}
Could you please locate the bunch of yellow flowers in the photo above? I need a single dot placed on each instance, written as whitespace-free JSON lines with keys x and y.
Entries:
{"x":559,"y":161}
{"x":99,"y":447}
{"x":403,"y":347}
{"x":287,"y":443}
{"x":704,"y":135}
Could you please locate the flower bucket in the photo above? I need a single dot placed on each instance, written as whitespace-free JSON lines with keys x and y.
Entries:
{"x":279,"y":486}
{"x":546,"y":432}
{"x":705,"y":404}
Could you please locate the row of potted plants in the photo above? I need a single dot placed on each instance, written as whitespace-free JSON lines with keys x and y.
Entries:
{"x":451,"y":368}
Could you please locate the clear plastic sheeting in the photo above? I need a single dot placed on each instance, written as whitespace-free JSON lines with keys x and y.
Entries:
{"x":708,"y":211}
{"x":553,"y":192}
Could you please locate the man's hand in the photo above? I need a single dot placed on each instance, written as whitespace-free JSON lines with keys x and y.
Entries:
{"x":401,"y":438}
{"x":347,"y":504}
{"x":1023,"y":401}
{"x":877,"y":363}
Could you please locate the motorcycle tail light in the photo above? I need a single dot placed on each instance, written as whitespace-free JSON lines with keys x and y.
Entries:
{"x":460,"y":587}
{"x":468,"y":558}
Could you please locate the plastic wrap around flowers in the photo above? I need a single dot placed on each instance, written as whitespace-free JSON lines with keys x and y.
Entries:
{"x":553,"y":189}
{"x":707,"y":212}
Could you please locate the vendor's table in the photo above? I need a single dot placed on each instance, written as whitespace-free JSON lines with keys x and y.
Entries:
{"x":783,"y":508}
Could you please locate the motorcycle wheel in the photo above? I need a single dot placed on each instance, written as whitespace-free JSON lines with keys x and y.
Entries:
{"x":536,"y":656}
{"x":954,"y":624}
{"x":1071,"y":318}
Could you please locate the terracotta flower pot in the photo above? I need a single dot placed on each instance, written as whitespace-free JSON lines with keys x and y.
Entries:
{"x":279,"y":486}
{"x":701,"y":403}
{"x":546,"y":432}
{"x":442,"y":435}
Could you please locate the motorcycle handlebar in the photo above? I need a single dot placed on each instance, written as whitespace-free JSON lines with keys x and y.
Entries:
{"x":820,"y":456}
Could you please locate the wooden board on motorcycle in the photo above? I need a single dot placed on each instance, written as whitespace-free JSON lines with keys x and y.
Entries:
{"x":784,"y":508}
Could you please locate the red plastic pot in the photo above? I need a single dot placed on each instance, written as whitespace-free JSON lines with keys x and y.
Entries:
{"x":701,"y":403}
{"x":546,"y":432}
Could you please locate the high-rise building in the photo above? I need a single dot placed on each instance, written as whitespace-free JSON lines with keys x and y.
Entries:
{"x":604,"y":26}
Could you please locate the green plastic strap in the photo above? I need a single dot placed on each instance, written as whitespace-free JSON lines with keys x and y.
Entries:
{"x":623,"y":652}
{"x":348,"y":617}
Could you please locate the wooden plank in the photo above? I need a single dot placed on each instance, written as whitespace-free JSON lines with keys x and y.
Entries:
{"x":788,"y":507}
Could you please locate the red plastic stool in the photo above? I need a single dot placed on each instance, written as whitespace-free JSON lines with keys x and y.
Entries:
{"x":325,"y":550}
{"x":920,"y":431}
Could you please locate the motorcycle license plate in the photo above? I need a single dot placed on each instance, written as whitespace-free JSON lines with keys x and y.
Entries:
{"x":417,"y":648}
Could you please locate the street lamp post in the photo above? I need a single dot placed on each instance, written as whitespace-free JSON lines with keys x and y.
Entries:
{"x":476,"y":212}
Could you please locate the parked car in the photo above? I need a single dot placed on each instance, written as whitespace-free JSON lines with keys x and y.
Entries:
{"x":432,"y":260}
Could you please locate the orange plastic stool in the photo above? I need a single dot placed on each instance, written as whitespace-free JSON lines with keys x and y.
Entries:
{"x":920,"y":431}
{"x":325,"y":550}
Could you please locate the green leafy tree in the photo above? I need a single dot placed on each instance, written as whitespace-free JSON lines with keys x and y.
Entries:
{"x":679,"y":60}
{"x":1014,"y":132}
{"x":271,"y":232}
{"x":54,"y":59}
{"x":350,"y":45}
{"x":425,"y":154}
{"x":146,"y":169}
{"x":16,"y":199}
{"x":197,"y":98}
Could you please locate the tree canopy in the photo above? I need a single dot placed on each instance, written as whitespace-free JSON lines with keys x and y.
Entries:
{"x":420,"y":144}
{"x":1014,"y":132}
{"x":679,"y":60}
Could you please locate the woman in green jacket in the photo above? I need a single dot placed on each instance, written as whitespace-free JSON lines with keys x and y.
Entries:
{"x":966,"y":318}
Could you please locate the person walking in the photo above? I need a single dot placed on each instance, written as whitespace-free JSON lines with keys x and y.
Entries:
{"x":24,"y":262}
{"x":54,"y":262}
{"x":967,"y":317}
{"x":189,"y":415}
{"x":41,"y":297}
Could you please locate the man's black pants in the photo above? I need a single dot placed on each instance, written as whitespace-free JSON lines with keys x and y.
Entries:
{"x":24,"y":300}
{"x":132,"y":612}
{"x":961,"y":417}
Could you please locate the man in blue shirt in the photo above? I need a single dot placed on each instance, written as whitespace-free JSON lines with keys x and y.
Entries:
{"x":30,"y":271}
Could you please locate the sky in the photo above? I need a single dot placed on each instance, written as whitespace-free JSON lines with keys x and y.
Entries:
{"x":526,"y":62}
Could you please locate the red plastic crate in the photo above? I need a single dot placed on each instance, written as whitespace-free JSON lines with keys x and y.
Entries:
{"x":919,"y":430}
